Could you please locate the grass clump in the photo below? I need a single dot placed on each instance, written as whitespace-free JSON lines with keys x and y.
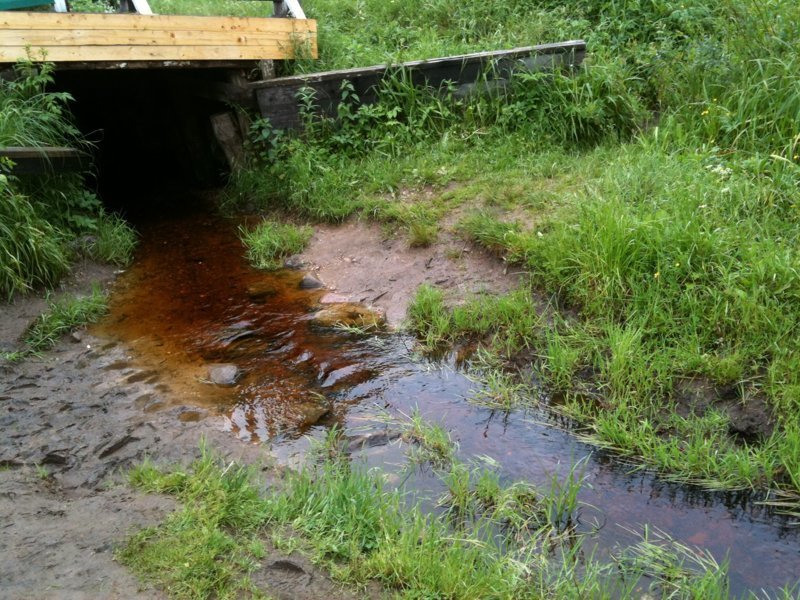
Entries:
{"x":432,"y":442}
{"x":269,"y":241}
{"x":64,"y":315}
{"x":114,"y":241}
{"x":31,"y":250}
{"x":207,"y":548}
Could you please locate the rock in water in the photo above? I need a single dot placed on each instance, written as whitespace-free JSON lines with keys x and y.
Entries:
{"x":224,"y":374}
{"x":309,"y":282}
{"x":349,"y":315}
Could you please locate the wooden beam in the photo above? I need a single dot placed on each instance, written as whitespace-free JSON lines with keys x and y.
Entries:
{"x":75,"y":37}
{"x":277,"y":98}
{"x":153,"y":53}
{"x":45,"y":159}
{"x":68,"y":21}
{"x":111,"y":37}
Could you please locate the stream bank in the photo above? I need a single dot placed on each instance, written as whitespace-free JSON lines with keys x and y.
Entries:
{"x":137,"y":385}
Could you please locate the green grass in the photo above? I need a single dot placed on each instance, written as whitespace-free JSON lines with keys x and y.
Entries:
{"x":492,"y":543}
{"x":269,"y":242}
{"x":32,"y":253}
{"x":114,"y":241}
{"x":44,"y":219}
{"x":431,"y":442}
{"x":64,"y":315}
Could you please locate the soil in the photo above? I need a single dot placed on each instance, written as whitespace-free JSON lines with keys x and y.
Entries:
{"x":75,"y":419}
{"x":359,"y":262}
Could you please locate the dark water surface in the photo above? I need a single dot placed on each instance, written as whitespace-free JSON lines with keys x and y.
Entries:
{"x":190,"y":300}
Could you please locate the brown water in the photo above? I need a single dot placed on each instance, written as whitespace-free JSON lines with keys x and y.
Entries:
{"x":191,"y":300}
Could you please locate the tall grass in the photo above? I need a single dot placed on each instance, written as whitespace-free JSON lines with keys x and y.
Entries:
{"x":30,"y":114}
{"x":43,"y":217}
{"x":31,"y":250}
{"x":268,"y":242}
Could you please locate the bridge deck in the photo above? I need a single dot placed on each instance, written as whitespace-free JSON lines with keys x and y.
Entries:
{"x":87,"y":38}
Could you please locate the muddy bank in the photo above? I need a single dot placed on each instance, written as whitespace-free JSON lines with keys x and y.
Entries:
{"x":361,"y":263}
{"x":74,"y":421}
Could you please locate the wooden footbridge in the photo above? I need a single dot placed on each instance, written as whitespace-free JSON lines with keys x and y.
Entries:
{"x":136,"y":65}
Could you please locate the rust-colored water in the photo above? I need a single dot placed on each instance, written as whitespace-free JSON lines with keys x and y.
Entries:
{"x":191,"y":300}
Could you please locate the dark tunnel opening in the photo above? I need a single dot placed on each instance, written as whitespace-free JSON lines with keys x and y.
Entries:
{"x":151,"y":132}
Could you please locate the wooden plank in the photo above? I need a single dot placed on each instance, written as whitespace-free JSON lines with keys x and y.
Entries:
{"x":572,"y":47}
{"x":129,"y":65}
{"x":48,"y":21}
{"x":28,"y":159}
{"x":277,"y":98}
{"x":75,"y":37}
{"x":275,"y":51}
{"x":110,"y":37}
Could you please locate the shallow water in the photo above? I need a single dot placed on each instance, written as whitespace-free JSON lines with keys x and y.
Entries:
{"x":190,"y":300}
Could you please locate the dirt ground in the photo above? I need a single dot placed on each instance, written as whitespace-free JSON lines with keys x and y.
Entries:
{"x":359,"y":262}
{"x":74,"y":420}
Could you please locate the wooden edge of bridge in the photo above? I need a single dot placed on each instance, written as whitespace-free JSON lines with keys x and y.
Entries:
{"x":574,"y":48}
{"x":277,"y":98}
{"x":42,"y":159}
{"x":133,"y":39}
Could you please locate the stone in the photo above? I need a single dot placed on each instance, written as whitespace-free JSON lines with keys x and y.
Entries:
{"x":332,"y":298}
{"x":224,"y":374}
{"x":309,"y":282}
{"x":309,"y":413}
{"x":261,"y":291}
{"x":349,"y":315}
{"x":294,"y":262}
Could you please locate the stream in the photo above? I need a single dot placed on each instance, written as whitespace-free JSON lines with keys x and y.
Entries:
{"x":190,"y":301}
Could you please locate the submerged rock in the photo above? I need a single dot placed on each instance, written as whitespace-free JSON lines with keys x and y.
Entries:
{"x":309,"y":282}
{"x":348,"y":314}
{"x":224,"y":374}
{"x":333,"y":298}
{"x":262,"y":291}
{"x":309,"y":413}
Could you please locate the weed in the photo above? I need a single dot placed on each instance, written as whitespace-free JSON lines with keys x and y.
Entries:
{"x":63,"y":316}
{"x":31,"y":250}
{"x":428,"y":316}
{"x":114,"y":241}
{"x":432,"y":443}
{"x":269,"y":241}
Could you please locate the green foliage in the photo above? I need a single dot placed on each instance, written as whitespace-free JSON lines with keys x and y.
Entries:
{"x":31,"y":252}
{"x":206,"y":549}
{"x":269,"y":241}
{"x":91,"y":6}
{"x":29,"y":114}
{"x":491,"y":542}
{"x":114,"y":241}
{"x":43,"y":219}
{"x":428,"y":317}
{"x":64,"y":315}
{"x":431,"y":442}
